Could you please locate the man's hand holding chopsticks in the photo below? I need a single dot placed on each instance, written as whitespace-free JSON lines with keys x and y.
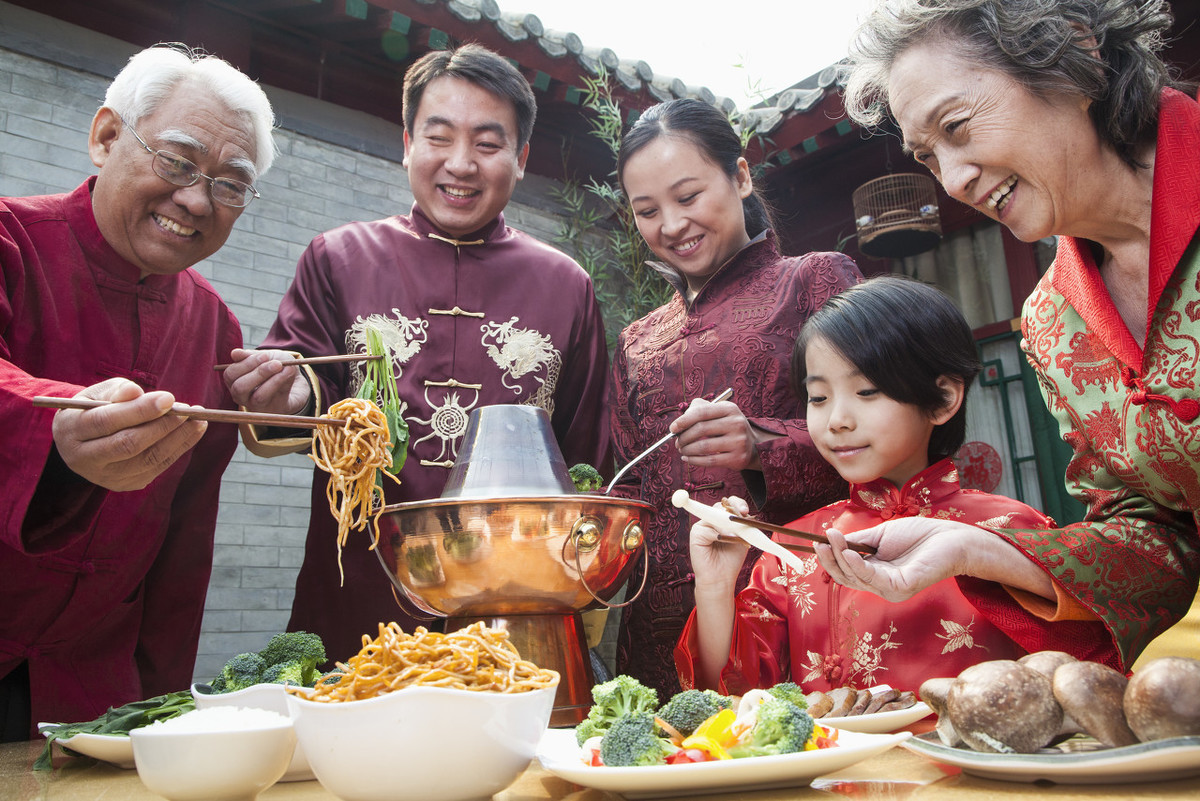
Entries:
{"x":260,"y":383}
{"x":127,"y":445}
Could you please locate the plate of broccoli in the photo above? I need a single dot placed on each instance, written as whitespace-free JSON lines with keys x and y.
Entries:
{"x":700,"y":742}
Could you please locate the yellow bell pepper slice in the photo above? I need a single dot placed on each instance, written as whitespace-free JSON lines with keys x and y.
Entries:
{"x":706,"y":744}
{"x":719,"y":728}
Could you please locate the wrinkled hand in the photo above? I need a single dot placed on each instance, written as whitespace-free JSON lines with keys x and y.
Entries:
{"x":257,"y":381}
{"x":127,"y":445}
{"x":716,"y":435}
{"x":913,"y":553}
{"x":716,"y":564}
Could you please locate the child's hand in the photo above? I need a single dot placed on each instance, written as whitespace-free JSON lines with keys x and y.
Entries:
{"x":913,"y":553}
{"x":716,"y":562}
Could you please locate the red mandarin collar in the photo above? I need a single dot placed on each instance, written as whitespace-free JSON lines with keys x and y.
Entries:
{"x":921,"y":492}
{"x":1175,"y":216}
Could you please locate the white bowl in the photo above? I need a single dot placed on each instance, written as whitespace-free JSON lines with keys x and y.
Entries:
{"x":422,"y":743}
{"x":271,"y":697}
{"x":212,"y":765}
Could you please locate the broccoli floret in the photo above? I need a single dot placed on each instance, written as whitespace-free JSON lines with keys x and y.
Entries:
{"x":688,"y":709}
{"x":789,"y":691}
{"x":284,"y":673}
{"x":631,"y":741}
{"x":242,"y":671}
{"x":299,"y":648}
{"x":781,"y":728}
{"x":586,"y":478}
{"x":613,"y":699}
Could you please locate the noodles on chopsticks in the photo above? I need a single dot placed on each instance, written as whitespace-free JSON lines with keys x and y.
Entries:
{"x":473,"y":658}
{"x":354,"y":454}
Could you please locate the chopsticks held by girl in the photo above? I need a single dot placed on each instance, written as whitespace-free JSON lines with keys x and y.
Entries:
{"x":884,"y":367}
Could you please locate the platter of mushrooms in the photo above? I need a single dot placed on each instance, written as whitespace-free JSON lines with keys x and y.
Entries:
{"x":1049,"y":716}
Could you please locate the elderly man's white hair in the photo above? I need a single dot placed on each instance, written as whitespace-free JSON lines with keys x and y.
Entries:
{"x":153,"y":74}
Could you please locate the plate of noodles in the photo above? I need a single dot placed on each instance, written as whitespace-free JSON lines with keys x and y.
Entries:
{"x":561,"y":755}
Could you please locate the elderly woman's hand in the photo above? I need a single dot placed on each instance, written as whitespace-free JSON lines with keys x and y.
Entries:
{"x":914,"y":553}
{"x":258,"y":381}
{"x":717,"y":435}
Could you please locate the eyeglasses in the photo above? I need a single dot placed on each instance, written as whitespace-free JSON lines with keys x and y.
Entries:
{"x":177,"y":170}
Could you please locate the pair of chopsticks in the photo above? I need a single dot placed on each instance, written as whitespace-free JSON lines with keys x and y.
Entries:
{"x":344,"y":357}
{"x":807,"y":535}
{"x":201,"y":413}
{"x":795,"y":547}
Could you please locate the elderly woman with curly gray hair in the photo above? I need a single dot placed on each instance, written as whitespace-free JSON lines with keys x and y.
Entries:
{"x":1059,"y":118}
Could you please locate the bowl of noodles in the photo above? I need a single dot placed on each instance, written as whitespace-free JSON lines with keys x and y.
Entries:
{"x":425,"y":716}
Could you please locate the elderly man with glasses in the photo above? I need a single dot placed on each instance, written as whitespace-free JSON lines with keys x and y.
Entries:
{"x":107,"y":515}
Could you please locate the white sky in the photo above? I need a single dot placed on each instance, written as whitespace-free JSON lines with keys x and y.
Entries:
{"x":776,"y":42}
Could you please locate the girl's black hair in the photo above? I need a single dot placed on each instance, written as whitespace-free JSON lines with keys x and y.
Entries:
{"x":708,"y":128}
{"x":902,"y":335}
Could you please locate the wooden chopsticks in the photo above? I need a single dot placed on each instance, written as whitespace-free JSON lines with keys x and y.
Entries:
{"x":344,"y":357}
{"x":200,"y":413}
{"x":807,"y":535}
{"x":791,"y":546}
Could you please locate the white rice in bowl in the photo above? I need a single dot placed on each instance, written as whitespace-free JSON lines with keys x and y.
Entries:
{"x":220,"y":718}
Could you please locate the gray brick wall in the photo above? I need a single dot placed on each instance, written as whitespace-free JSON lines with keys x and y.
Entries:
{"x":334,"y":167}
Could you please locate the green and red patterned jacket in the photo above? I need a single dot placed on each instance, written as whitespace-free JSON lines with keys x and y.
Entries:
{"x":1128,"y":413}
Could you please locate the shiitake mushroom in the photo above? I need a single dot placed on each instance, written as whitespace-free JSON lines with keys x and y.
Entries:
{"x":1163,"y":699}
{"x":933,"y":692}
{"x":1003,"y":707}
{"x":1093,"y":695}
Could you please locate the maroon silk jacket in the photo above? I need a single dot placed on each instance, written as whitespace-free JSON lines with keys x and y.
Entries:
{"x":738,"y":332}
{"x":102,"y":592}
{"x":499,"y":318}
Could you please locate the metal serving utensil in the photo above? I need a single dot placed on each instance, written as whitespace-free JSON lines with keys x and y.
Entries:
{"x":726,"y":395}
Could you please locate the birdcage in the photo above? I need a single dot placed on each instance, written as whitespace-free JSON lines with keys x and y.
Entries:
{"x":897,"y":215}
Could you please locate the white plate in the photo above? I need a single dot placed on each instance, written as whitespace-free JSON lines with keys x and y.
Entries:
{"x":880,"y":722}
{"x":1070,"y":763}
{"x":114,"y":748}
{"x":559,"y":754}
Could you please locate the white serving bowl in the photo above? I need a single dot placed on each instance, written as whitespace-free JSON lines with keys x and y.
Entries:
{"x":422,"y":743}
{"x":225,"y":765}
{"x":271,"y":697}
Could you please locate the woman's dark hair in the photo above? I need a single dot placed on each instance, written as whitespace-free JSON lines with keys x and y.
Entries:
{"x":708,"y":129}
{"x":480,"y":66}
{"x":902,"y":335}
{"x":1049,"y":46}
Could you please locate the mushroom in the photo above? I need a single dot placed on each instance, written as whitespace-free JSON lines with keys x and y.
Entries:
{"x":933,"y":692}
{"x":1092,"y":694}
{"x":1046,"y":662}
{"x":1163,"y":699}
{"x":1003,"y":707}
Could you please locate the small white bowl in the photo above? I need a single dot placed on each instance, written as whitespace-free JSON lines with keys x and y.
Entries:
{"x":222,"y":765}
{"x":271,"y":697}
{"x":422,"y":743}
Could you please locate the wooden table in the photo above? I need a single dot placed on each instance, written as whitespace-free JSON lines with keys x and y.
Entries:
{"x":892,"y":776}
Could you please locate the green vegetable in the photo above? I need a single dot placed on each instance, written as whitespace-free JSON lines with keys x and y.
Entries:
{"x":613,"y":700}
{"x":781,"y":728}
{"x":117,"y":721}
{"x":293,"y":657}
{"x":242,"y":671}
{"x":379,"y":386}
{"x":790,"y":691}
{"x":688,"y":709}
{"x":586,"y":478}
{"x":632,"y":741}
